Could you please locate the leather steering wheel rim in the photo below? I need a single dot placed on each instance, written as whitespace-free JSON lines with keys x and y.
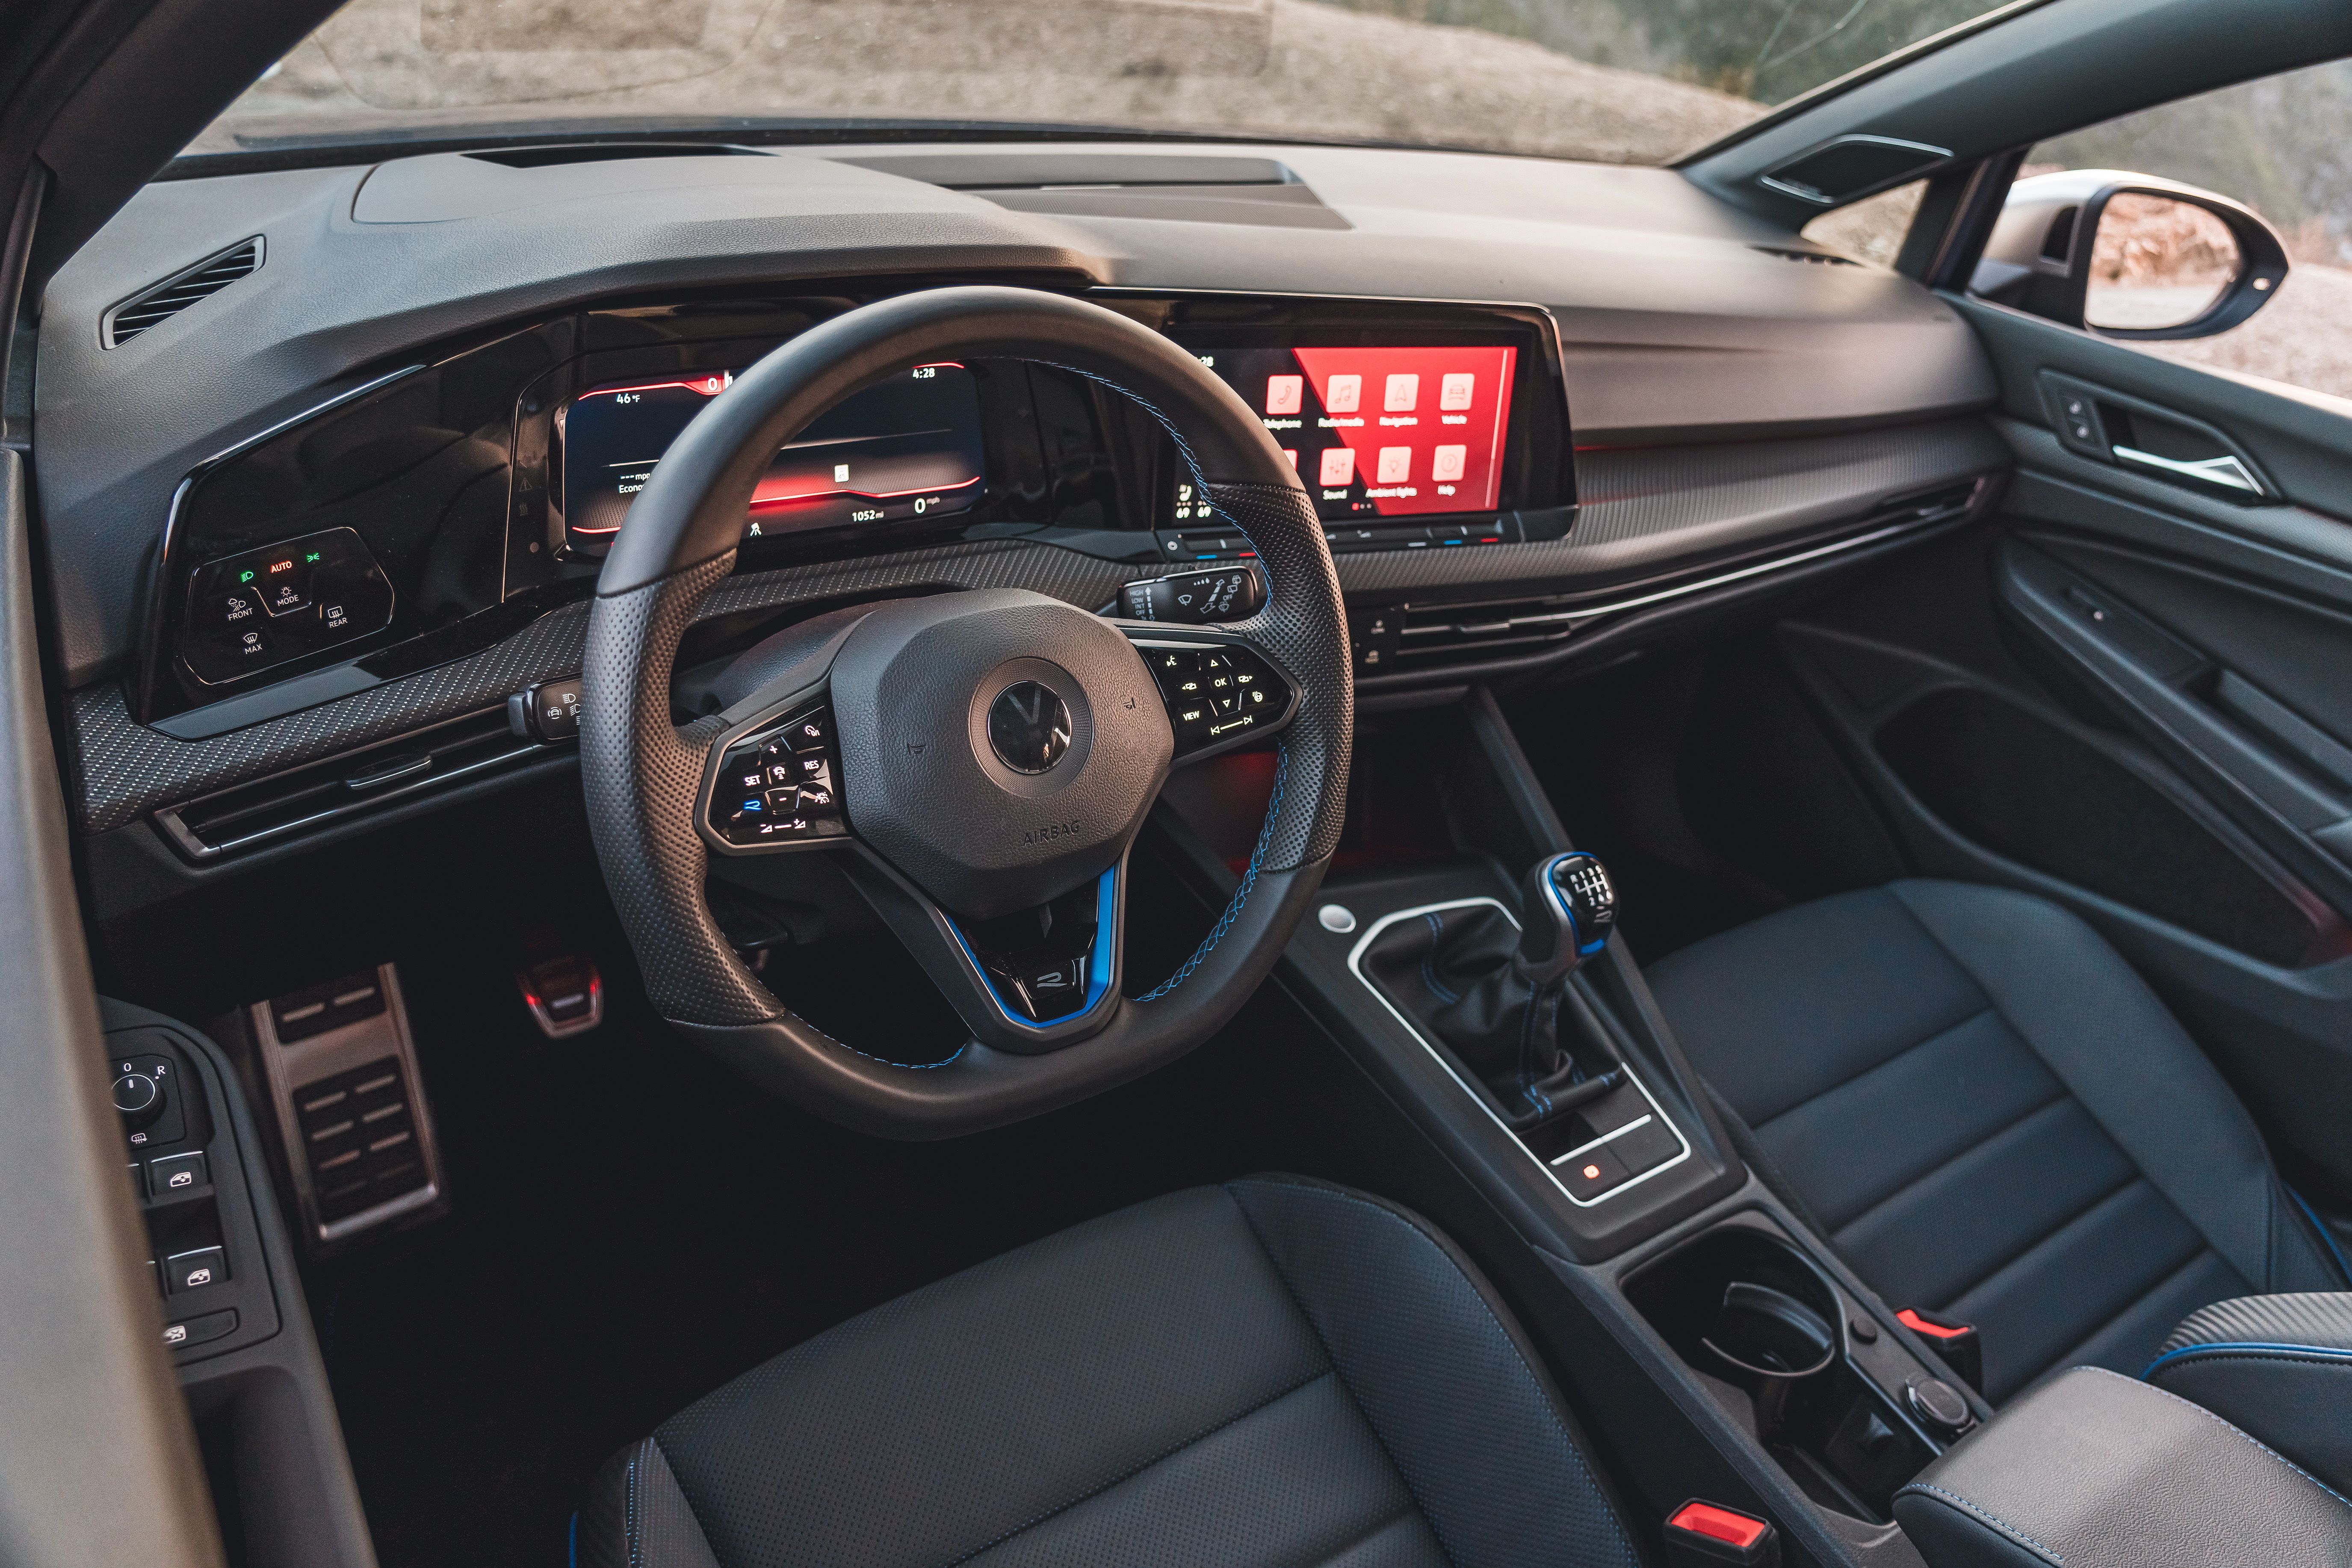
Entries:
{"x":643,"y":776}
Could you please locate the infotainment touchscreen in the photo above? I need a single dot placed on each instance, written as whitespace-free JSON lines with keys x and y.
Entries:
{"x":1380,"y":432}
{"x":908,"y":448}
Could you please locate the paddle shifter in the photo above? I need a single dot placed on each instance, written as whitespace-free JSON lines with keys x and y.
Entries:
{"x":1493,"y":995}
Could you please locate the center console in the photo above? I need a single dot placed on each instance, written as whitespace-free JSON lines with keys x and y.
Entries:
{"x":1463,"y":961}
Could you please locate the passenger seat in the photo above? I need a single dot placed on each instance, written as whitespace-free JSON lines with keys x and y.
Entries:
{"x":1992,"y":1117}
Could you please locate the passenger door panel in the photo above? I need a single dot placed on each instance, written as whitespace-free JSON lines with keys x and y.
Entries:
{"x":2177,"y":767}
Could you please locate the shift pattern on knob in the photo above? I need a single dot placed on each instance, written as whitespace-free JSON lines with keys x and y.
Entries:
{"x":1571,"y":909}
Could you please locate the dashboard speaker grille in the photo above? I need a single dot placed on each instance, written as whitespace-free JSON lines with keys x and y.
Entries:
{"x":159,"y":304}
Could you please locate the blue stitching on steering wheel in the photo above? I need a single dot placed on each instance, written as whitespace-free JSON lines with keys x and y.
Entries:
{"x":1241,"y":894}
{"x":1282,"y":766}
{"x":1183,"y":449}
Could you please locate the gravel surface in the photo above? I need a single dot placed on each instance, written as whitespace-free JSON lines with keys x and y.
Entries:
{"x":2303,"y":337}
{"x":1274,"y":68}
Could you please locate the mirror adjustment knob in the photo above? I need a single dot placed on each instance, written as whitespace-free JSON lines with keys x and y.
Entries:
{"x":138,"y":1098}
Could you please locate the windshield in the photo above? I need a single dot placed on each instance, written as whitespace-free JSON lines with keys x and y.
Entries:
{"x":1629,"y":82}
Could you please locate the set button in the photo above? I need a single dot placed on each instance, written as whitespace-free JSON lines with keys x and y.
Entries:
{"x":780,"y":787}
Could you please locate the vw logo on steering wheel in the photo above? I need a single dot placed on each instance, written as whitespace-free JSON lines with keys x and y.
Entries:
{"x":1029,"y":727}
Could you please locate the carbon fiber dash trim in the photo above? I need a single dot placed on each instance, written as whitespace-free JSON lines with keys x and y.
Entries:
{"x":126,"y":769}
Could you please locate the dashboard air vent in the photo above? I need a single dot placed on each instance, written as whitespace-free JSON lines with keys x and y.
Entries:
{"x":166,"y":299}
{"x":1816,"y":257}
{"x":1451,"y":634}
{"x":353,"y":783}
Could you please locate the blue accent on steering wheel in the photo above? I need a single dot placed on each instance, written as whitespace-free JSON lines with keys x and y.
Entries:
{"x":1099,"y":962}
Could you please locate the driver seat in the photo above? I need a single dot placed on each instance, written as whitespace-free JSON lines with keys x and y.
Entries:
{"x":1275,"y":1371}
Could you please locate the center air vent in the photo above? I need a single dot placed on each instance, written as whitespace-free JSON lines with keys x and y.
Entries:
{"x":177,"y":292}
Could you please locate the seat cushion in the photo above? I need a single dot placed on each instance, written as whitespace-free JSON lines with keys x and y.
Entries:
{"x":1993,"y":1117}
{"x":1272,"y":1372}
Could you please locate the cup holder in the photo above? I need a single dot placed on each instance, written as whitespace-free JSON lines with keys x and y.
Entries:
{"x":1743,"y":1303}
{"x":1769,"y":1333}
{"x":1766,"y":1330}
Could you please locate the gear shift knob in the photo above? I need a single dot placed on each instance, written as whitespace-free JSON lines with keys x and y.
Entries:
{"x":1571,"y":909}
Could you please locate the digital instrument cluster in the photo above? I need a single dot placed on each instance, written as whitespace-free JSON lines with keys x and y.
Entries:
{"x":909,"y":449}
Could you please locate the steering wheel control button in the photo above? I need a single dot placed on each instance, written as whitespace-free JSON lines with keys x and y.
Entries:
{"x":1337,"y":919}
{"x":170,"y":1173}
{"x":1029,"y":727}
{"x":189,"y":1271}
{"x":314,"y":593}
{"x":776,"y":785}
{"x":1216,"y":692}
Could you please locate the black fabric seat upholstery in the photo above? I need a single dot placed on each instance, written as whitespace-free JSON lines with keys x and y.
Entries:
{"x":1991,"y":1116}
{"x":1273,"y":1372}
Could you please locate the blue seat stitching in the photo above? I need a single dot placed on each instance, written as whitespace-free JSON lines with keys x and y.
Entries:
{"x":2254,"y":1349}
{"x":2327,"y":1237}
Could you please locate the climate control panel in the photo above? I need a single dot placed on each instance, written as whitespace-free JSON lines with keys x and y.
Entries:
{"x":264,"y":608}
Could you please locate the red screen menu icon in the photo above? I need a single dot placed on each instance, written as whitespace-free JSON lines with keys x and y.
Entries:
{"x":1423,"y":428}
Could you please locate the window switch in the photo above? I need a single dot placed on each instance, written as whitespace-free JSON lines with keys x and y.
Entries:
{"x":186,"y":1271}
{"x":199,"y":1330}
{"x":177,"y":1174}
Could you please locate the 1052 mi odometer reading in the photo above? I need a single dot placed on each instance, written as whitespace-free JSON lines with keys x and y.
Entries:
{"x":908,"y":448}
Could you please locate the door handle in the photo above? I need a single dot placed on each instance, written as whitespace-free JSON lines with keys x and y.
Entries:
{"x":2224,"y":470}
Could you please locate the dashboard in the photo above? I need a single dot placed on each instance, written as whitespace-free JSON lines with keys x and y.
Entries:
{"x":1537,"y":405}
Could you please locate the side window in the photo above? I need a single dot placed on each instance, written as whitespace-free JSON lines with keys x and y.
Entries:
{"x":2278,"y":146}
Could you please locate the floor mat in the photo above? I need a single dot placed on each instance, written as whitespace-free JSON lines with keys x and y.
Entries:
{"x":633,"y":1228}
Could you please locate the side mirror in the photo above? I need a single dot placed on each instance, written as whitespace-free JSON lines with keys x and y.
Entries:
{"x":2129,"y":256}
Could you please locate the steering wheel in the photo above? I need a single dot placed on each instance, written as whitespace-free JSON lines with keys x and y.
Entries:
{"x":980,"y":761}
